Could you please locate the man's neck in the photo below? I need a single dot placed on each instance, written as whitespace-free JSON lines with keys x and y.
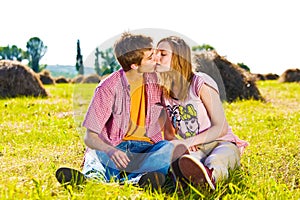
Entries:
{"x":133,"y":76}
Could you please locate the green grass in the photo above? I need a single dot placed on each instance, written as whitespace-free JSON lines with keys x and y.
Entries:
{"x":39,"y":135}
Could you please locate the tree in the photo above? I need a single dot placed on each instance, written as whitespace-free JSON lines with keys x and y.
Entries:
{"x":17,"y":53}
{"x":242,"y":65}
{"x":206,"y":47}
{"x":79,"y":62}
{"x":109,"y":63}
{"x":12,"y":53}
{"x":35,"y":51}
{"x":97,"y":65}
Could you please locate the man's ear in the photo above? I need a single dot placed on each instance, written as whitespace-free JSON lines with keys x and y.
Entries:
{"x":134,"y":66}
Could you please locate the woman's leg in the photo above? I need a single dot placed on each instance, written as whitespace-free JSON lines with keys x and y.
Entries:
{"x":223,"y":157}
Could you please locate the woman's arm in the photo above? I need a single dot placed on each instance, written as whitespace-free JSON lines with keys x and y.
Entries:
{"x":166,"y":126}
{"x":214,"y":107}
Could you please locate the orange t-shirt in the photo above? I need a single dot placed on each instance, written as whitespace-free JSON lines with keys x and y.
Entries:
{"x":137,"y":129}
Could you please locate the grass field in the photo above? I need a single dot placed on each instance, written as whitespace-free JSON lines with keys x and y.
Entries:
{"x":40,"y":135}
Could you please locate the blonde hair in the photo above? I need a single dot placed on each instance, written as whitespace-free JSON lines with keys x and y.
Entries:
{"x":181,"y":73}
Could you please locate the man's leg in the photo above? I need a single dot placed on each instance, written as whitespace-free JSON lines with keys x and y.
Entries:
{"x":156,"y":158}
{"x":92,"y":167}
{"x":156,"y":163}
{"x":98,"y":166}
{"x":149,"y":163}
{"x":69,"y":176}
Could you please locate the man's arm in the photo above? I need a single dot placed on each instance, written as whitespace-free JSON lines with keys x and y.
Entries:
{"x":92,"y":140}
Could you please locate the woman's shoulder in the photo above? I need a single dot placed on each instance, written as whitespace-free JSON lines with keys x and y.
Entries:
{"x":201,"y":78}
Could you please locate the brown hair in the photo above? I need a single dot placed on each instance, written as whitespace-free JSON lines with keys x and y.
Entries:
{"x":181,"y":73}
{"x":130,"y":48}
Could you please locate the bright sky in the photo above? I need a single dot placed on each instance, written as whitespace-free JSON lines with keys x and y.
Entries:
{"x":263,"y":34}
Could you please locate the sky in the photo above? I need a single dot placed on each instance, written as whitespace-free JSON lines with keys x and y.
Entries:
{"x":263,"y":34}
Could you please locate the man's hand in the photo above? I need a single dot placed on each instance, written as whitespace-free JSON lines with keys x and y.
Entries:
{"x":119,"y":158}
{"x":92,"y":140}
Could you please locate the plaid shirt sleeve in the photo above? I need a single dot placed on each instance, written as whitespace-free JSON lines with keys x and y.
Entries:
{"x":99,"y":109}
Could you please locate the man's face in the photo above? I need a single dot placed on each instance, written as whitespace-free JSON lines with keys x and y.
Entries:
{"x":148,"y":63}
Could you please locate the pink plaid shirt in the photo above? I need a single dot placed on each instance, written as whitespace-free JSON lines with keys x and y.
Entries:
{"x":108,"y":114}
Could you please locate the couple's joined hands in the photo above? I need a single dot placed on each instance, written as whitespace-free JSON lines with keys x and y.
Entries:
{"x":191,"y":148}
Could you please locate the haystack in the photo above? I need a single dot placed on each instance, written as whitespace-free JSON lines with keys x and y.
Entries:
{"x":61,"y":79}
{"x":271,"y":76}
{"x":259,"y":77}
{"x":17,"y":79}
{"x":46,"y":78}
{"x":77,"y":79}
{"x":290,"y":75}
{"x":93,"y":78}
{"x":234,"y":82}
{"x":263,"y":77}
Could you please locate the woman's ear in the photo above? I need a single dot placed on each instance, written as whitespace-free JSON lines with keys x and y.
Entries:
{"x":133,"y":66}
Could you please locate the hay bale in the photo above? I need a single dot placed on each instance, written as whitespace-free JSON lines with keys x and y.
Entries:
{"x":61,"y":79}
{"x":271,"y":76}
{"x":77,"y":79}
{"x":17,"y":79}
{"x":45,"y":72}
{"x":233,"y":81}
{"x":259,"y":77}
{"x":46,"y":78}
{"x":93,"y":78}
{"x":290,"y":75}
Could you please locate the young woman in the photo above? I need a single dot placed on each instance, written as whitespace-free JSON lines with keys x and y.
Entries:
{"x":196,"y":117}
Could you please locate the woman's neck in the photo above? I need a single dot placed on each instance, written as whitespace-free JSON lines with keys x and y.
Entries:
{"x":175,"y":90}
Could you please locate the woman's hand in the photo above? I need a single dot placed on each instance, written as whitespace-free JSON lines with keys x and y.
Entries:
{"x":193,"y":148}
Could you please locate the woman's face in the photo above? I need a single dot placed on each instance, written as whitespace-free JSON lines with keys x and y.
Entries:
{"x":163,"y":57}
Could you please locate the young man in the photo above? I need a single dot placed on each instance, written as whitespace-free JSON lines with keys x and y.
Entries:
{"x":123,"y":133}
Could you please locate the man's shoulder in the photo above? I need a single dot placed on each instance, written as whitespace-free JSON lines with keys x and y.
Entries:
{"x":112,"y":79}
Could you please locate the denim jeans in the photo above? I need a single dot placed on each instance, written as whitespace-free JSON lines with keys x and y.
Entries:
{"x":144,"y":157}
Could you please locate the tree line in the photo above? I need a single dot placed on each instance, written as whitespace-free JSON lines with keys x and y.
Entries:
{"x":36,"y":49}
{"x":34,"y":53}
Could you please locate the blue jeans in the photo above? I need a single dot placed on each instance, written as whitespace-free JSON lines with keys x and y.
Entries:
{"x":144,"y":157}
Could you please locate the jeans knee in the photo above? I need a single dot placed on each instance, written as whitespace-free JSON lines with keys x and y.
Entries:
{"x":163,"y":142}
{"x":168,"y":147}
{"x":167,"y":143}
